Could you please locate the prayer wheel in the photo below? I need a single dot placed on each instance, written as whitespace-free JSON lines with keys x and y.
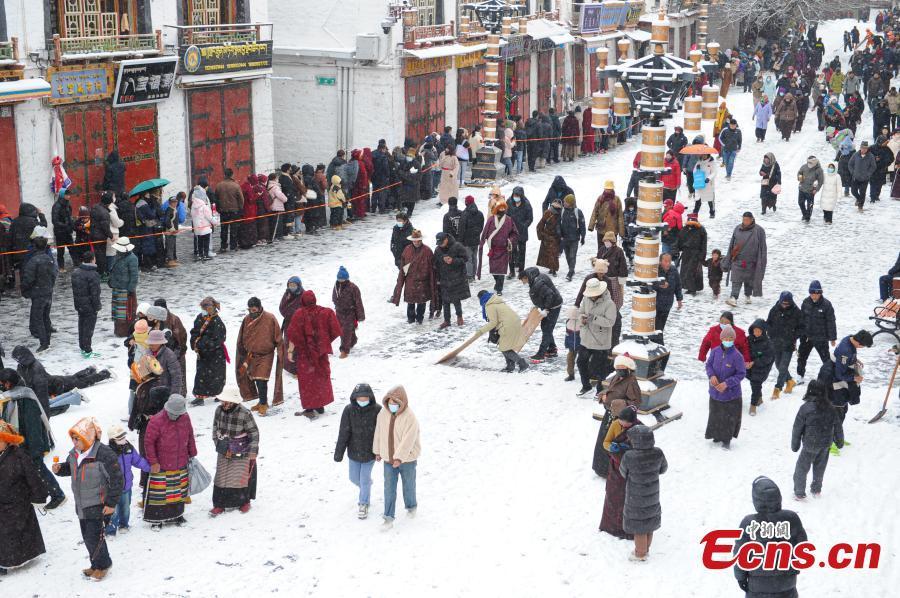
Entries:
{"x":710,"y":102}
{"x":523,"y":26}
{"x":643,"y":313}
{"x":692,"y":114}
{"x":624,"y":46}
{"x":653,"y":148}
{"x":659,"y":34}
{"x":696,"y":56}
{"x":649,"y":210}
{"x":602,"y":57}
{"x":493,"y":49}
{"x":492,"y":74}
{"x":600,"y":109}
{"x":621,"y":101}
{"x":713,"y":51}
{"x":506,"y":27}
{"x":646,"y":271}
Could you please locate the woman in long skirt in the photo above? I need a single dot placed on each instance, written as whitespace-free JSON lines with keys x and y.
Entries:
{"x":615,"y":444}
{"x":169,"y":444}
{"x":310,"y":334}
{"x":208,"y":340}
{"x":148,"y":401}
{"x":725,"y":369}
{"x":20,"y":487}
{"x":290,"y":303}
{"x":237,"y":444}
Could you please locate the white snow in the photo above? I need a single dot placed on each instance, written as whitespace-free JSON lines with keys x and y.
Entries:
{"x":508,"y":504}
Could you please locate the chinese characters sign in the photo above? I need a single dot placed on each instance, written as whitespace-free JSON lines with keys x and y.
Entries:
{"x":144,"y":81}
{"x":73,"y":84}
{"x":213,"y":59}
{"x":417,"y":66}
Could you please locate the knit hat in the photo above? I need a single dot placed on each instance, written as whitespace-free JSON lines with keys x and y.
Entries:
{"x":115,"y":431}
{"x":600,"y":266}
{"x":609,"y":185}
{"x":469,"y":200}
{"x":9,"y":434}
{"x":87,"y":430}
{"x":864,"y":338}
{"x":786,"y":296}
{"x":343,"y":274}
{"x":156,"y":337}
{"x":726,"y":333}
{"x":142,"y":308}
{"x":609,"y":236}
{"x":624,"y":361}
{"x":157,"y":313}
{"x":594,"y":287}
{"x":569,"y":200}
{"x":40,"y":232}
{"x":176,"y":405}
{"x":815,"y":287}
{"x":141,"y":327}
{"x":415,"y":236}
{"x":230,"y":397}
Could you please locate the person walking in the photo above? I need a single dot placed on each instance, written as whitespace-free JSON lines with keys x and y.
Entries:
{"x":356,"y":438}
{"x":816,"y":426}
{"x":622,"y":391}
{"x":168,"y":446}
{"x":236,"y":438}
{"x":397,"y":443}
{"x":762,"y":356}
{"x":519,"y":209}
{"x":616,"y":444}
{"x":86,"y":296}
{"x":819,"y":328}
{"x":416,"y":279}
{"x":499,"y":234}
{"x":725,"y":370}
{"x":471,"y":223}
{"x":450,"y":270}
{"x":770,"y":185}
{"x":730,"y":139}
{"x":692,"y":246}
{"x":545,"y":297}
{"x":311,"y":332}
{"x":746,"y":259}
{"x":811,"y":178}
{"x":862,"y":167}
{"x":786,"y":115}
{"x":450,"y":174}
{"x":208,"y":342}
{"x":785,"y":327}
{"x":504,"y":328}
{"x":547,"y":232}
{"x":668,"y":291}
{"x":706,"y":171}
{"x":831,"y":191}
{"x":607,"y":214}
{"x":97,"y":483}
{"x":260,"y":346}
{"x":641,"y":466}
{"x":598,"y":316}
{"x":348,"y":307}
{"x":762,"y":112}
{"x":38,"y":281}
{"x":572,"y":232}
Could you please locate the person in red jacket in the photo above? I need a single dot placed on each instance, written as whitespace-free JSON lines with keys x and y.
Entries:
{"x":671,"y":180}
{"x":635,"y":176}
{"x":711,"y":340}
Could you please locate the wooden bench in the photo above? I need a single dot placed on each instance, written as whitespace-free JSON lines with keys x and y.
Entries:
{"x":885,"y":318}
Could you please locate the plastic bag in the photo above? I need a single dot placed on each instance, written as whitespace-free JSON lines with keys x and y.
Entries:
{"x":198,"y":478}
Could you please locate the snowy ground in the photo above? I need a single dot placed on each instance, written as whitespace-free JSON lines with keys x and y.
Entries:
{"x":508,"y":502}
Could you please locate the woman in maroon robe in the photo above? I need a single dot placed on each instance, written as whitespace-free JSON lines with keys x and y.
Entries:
{"x":290,"y":303}
{"x":312,"y":330}
{"x":500,"y":235}
{"x":247,"y":233}
{"x":587,"y":132}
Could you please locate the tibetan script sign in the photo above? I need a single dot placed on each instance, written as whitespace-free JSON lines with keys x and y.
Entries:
{"x":215,"y":59}
{"x":471,"y":59}
{"x":73,"y":84}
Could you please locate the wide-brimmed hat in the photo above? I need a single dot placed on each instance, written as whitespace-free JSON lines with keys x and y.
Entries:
{"x":415,"y":236}
{"x":156,"y":337}
{"x":594,"y":288}
{"x":40,"y":231}
{"x":609,"y":236}
{"x":123,"y":245}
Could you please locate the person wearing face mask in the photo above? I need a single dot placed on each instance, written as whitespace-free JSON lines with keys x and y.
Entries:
{"x":168,"y":446}
{"x":403,"y":228}
{"x":97,"y":483}
{"x":572,"y":231}
{"x":397,"y":443}
{"x":290,"y":303}
{"x":770,"y":185}
{"x":712,"y":339}
{"x":831,"y":190}
{"x":260,"y":344}
{"x":356,"y":437}
{"x":519,"y":209}
{"x":500,"y":235}
{"x":811,"y":179}
{"x":208,"y":342}
{"x":236,"y":439}
{"x":547,"y":232}
{"x":725,"y":370}
{"x":621,"y":391}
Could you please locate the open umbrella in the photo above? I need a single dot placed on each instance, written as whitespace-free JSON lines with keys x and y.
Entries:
{"x":698,"y":149}
{"x":148,"y":185}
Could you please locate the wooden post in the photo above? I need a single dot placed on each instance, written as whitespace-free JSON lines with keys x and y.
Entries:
{"x":159,"y":40}
{"x":57,"y":49}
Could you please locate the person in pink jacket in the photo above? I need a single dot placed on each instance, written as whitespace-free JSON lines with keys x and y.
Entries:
{"x":201,"y":218}
{"x":169,"y":445}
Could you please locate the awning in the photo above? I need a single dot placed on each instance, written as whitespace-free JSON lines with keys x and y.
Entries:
{"x":544,"y":29}
{"x":600,"y":40}
{"x":23,"y":89}
{"x":638,"y":35}
{"x":198,"y":80}
{"x":447,"y":50}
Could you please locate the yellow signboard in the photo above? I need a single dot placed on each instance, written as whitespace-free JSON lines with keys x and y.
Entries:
{"x":471,"y":59}
{"x":419,"y":66}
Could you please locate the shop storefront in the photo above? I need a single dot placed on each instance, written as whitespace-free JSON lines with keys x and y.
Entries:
{"x":425,"y":86}
{"x":470,"y":72}
{"x":516,"y":76}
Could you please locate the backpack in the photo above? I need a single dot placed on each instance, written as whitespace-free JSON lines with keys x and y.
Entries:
{"x":699,"y":178}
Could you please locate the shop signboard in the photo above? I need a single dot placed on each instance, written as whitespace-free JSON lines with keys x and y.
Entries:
{"x":145,"y":81}
{"x":215,"y":59}
{"x":423,"y":66}
{"x":76,"y":84}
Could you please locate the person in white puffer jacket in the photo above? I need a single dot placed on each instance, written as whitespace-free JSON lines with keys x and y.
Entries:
{"x":831,"y":190}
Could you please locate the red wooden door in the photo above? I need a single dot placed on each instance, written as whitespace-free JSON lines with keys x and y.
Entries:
{"x":545,"y":80}
{"x":425,"y":105}
{"x":221,"y":131}
{"x":560,"y":79}
{"x":518,"y":86}
{"x":470,"y":96}
{"x":93,"y":130}
{"x":10,"y":192}
{"x":578,"y":71}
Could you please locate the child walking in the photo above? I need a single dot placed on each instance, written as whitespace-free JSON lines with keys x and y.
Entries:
{"x":762,"y":357}
{"x":573,"y":340}
{"x":816,"y":426}
{"x":714,"y":272}
{"x":128,"y":457}
{"x":641,"y":467}
{"x":355,"y":436}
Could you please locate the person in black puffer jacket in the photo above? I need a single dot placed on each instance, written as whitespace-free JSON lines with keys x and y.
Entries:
{"x":402,"y":229}
{"x":785,"y":326}
{"x":38,"y":279}
{"x":819,"y":327}
{"x":759,"y":583}
{"x":63,"y":227}
{"x":86,"y":295}
{"x":449,"y":260}
{"x":668,"y":290}
{"x":546,"y":298}
{"x":21,"y":229}
{"x":762,"y":356}
{"x":519,"y":209}
{"x":816,"y":426}
{"x":126,"y":212}
{"x":355,"y":437}
{"x":471,"y":223}
{"x":381,"y":178}
{"x":572,"y":230}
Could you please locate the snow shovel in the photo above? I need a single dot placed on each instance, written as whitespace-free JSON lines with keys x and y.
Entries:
{"x":881,"y":413}
{"x":449,"y":356}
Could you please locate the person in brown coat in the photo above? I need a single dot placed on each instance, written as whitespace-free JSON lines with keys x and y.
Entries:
{"x":416,"y":279}
{"x":622,"y":391}
{"x":290,"y":302}
{"x":548,"y":234}
{"x":612,"y":253}
{"x":230,"y":203}
{"x":349,"y":308}
{"x":259,"y":345}
{"x":786,"y":115}
{"x":607,"y":214}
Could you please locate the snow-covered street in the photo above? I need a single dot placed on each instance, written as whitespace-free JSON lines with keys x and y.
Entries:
{"x":508,"y":504}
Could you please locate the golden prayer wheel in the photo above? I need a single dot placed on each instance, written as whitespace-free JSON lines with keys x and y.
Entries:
{"x":621,"y":101}
{"x":492,"y":74}
{"x":713,"y":48}
{"x":696,"y":56}
{"x":624,"y":46}
{"x":506,"y":27}
{"x":600,"y":109}
{"x":646,"y":248}
{"x":523,"y":26}
{"x":648,"y":272}
{"x":644,"y":304}
{"x":692,"y":113}
{"x":710,"y":102}
{"x":602,"y":57}
{"x":643,"y":324}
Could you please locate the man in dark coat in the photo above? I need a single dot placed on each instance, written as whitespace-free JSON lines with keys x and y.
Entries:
{"x":546,"y":134}
{"x":452,"y":218}
{"x":785,"y":326}
{"x":21,"y":228}
{"x":381,"y":178}
{"x":668,"y":290}
{"x":126,"y":212}
{"x":355,"y":437}
{"x":862,"y":168}
{"x":571,"y":132}
{"x":676,"y":142}
{"x":555,"y":137}
{"x":415,"y":280}
{"x":450,"y":259}
{"x":348,"y":307}
{"x":572,"y":231}
{"x":471,"y":223}
{"x":399,"y":236}
{"x":114,"y":175}
{"x":558,"y":190}
{"x":63,"y":227}
{"x":759,"y":583}
{"x":519,"y":209}
{"x":534,"y":146}
{"x":762,"y":356}
{"x":746,"y":259}
{"x":884,"y":158}
{"x":410,"y":184}
{"x":692,"y":246}
{"x":230,"y":203}
{"x":819,"y":327}
{"x":337,"y":162}
{"x":86,"y":295}
{"x":545,"y":297}
{"x":38,"y":279}
{"x":33,"y":375}
{"x":101,"y":231}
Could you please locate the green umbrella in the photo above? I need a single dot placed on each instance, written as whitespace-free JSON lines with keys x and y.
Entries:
{"x":148,"y":185}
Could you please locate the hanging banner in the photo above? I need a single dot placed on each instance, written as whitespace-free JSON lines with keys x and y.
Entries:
{"x":612,"y":15}
{"x":145,"y":81}
{"x":633,"y":14}
{"x":214,"y":59}
{"x":74,"y":84}
{"x":590,"y":18}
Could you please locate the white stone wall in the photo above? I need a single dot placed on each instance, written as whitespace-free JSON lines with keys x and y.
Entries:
{"x":263,"y":142}
{"x":325,"y":23}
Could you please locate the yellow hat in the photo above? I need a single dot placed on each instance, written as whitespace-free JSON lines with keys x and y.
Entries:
{"x":609,"y":185}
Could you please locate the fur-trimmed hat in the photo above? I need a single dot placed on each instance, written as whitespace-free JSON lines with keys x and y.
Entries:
{"x":9,"y":434}
{"x":87,"y":429}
